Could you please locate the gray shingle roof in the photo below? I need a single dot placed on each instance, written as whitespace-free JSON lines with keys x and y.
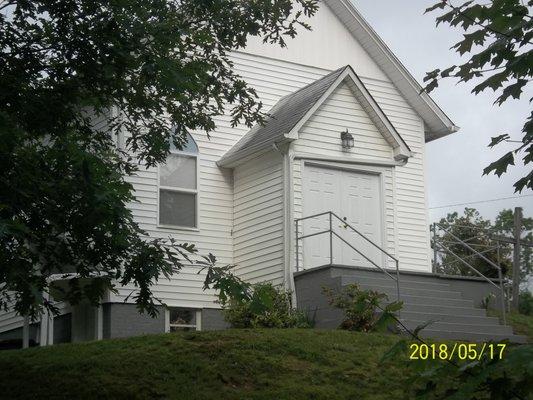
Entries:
{"x":284,"y":116}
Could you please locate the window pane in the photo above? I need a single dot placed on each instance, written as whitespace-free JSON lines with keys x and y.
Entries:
{"x":177,"y":208}
{"x":182,"y":316}
{"x":179,"y":172}
{"x":181,"y":328}
{"x":189,"y":147}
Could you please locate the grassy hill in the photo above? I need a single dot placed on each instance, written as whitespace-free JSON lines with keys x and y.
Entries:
{"x":270,"y":364}
{"x":235,"y":364}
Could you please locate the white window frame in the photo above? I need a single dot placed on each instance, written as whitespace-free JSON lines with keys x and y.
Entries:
{"x":196,"y":191}
{"x":197,"y":326}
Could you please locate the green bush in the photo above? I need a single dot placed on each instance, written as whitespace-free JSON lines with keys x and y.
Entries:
{"x":264,"y":306}
{"x":364,"y":310}
{"x":525,"y":303}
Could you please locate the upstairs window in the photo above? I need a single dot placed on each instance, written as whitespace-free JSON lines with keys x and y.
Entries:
{"x":178,"y":187}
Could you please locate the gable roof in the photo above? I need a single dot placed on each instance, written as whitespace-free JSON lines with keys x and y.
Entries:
{"x":291,"y":112}
{"x":437,"y":123}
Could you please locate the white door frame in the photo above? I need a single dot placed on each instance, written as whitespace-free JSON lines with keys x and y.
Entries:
{"x":361,"y":168}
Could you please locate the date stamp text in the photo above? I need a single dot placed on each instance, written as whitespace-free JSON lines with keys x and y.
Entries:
{"x":461,"y":351}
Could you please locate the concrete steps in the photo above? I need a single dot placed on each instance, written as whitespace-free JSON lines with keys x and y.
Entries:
{"x":425,"y":298}
{"x":496,"y":329}
{"x":471,"y":336}
{"x":457,"y":318}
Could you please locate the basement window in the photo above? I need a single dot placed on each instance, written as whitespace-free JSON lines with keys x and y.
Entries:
{"x":183,"y":319}
{"x":178,"y":187}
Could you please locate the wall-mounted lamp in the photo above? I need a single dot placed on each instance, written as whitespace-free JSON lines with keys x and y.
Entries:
{"x":347,"y":140}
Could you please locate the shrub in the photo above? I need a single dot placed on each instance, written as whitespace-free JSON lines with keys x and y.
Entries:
{"x":364,"y":310}
{"x":265,"y":306}
{"x":486,"y":301}
{"x":525,"y":303}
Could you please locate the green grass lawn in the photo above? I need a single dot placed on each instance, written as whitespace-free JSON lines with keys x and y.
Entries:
{"x":522,"y":324}
{"x":235,"y":364}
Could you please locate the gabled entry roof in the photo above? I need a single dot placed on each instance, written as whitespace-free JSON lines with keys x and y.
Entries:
{"x":292,"y":111}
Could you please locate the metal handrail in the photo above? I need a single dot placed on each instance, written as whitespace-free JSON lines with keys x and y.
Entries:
{"x":471,"y":255}
{"x":476,"y":253}
{"x":333,"y":233}
{"x":364,"y":237}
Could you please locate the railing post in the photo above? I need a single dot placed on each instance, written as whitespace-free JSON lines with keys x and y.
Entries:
{"x":296,"y":246}
{"x":397,"y":280}
{"x":330,"y":240}
{"x":26,"y":332}
{"x":502,"y":295}
{"x":434,"y":268}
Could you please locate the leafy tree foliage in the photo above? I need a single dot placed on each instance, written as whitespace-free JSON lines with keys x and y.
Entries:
{"x":364,"y":310}
{"x":155,"y":69}
{"x":498,"y":35}
{"x":525,"y":305}
{"x":262,"y":305}
{"x":476,"y":231}
{"x":504,"y":226}
{"x":481,"y":234}
{"x":474,"y":379}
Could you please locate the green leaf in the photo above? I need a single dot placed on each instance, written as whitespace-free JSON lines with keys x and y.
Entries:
{"x":423,"y":325}
{"x":514,"y":91}
{"x":498,"y":139}
{"x":470,"y":39}
{"x":399,"y":349}
{"x":494,"y":82}
{"x":500,"y":166}
{"x":440,"y":5}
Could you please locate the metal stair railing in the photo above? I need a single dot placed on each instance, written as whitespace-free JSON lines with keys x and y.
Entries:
{"x":332,"y":234}
{"x":480,"y":254}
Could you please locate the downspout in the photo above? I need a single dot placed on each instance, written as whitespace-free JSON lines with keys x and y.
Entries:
{"x":288,"y":216}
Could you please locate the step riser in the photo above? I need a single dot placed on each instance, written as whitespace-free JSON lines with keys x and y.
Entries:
{"x":429,"y":300}
{"x":425,"y":298}
{"x":453,"y":318}
{"x":454,"y":327}
{"x":432,"y":301}
{"x":410,"y":281}
{"x":414,"y":303}
{"x":413,"y":291}
{"x":329,"y":312}
{"x":384,"y":281}
{"x":432,"y":309}
{"x":470,"y":336}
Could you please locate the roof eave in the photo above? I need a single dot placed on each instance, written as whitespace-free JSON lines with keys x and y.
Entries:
{"x":441,"y":124}
{"x":432,"y":135}
{"x":240,"y":157}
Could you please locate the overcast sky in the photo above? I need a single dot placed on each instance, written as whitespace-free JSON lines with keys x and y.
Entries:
{"x":454,"y":163}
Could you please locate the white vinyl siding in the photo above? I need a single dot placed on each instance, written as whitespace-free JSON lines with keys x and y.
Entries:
{"x":257,"y":249}
{"x":411,"y":202}
{"x":320,"y":136}
{"x":10,"y":320}
{"x":272,"y":80}
{"x":341,"y":111}
{"x":258,"y":224}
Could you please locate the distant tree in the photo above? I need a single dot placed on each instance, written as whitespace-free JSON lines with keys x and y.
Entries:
{"x":477,"y":232}
{"x":482,"y":235}
{"x":504,"y":225}
{"x":498,"y":40}
{"x":164,"y":68}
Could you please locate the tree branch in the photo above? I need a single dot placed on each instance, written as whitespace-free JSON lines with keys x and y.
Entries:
{"x":494,"y":31}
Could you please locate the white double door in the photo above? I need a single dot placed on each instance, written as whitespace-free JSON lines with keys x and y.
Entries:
{"x":350,"y":194}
